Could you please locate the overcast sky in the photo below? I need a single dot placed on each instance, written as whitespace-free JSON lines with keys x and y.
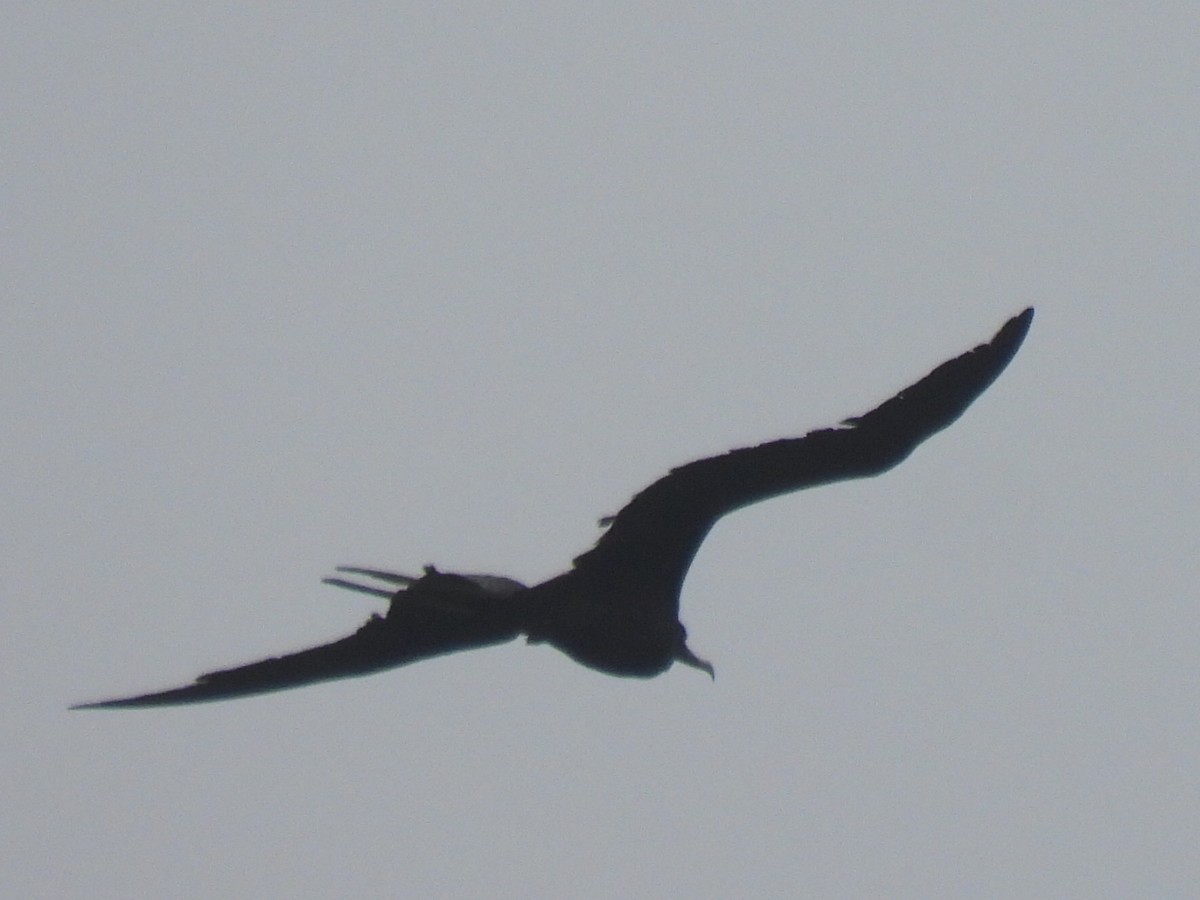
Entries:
{"x":287,"y":286}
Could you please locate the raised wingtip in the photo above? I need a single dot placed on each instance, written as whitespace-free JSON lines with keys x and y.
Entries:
{"x":1014,"y":330}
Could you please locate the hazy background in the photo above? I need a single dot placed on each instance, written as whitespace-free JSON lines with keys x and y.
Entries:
{"x":293,"y":285}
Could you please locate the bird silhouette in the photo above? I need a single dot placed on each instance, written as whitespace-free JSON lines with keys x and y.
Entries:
{"x":617,"y":608}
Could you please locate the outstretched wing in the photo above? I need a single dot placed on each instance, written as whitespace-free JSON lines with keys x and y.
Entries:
{"x":439,"y":613}
{"x":650,"y":543}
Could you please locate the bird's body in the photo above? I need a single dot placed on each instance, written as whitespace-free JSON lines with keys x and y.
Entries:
{"x":617,"y":608}
{"x":620,"y":631}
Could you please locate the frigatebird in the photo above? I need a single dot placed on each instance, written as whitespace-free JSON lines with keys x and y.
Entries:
{"x":617,"y":608}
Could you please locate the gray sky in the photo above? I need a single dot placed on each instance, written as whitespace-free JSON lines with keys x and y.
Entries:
{"x":291,"y":286}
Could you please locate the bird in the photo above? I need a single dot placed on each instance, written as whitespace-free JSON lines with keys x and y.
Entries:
{"x":616,"y":609}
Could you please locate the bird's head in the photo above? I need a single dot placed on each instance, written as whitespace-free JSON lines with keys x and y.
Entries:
{"x":684,"y":655}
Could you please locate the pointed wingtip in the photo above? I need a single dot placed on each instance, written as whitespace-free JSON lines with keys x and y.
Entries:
{"x":1011,"y":335}
{"x":99,"y":704}
{"x":166,"y":698}
{"x":1019,"y":323}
